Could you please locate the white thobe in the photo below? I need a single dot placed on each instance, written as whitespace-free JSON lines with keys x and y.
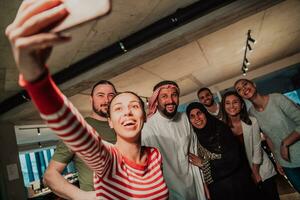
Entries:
{"x":175,"y":139}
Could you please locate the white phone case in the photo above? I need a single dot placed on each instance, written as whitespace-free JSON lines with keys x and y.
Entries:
{"x":81,"y":11}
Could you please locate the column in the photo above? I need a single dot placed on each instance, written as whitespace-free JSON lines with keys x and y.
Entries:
{"x":11,"y":183}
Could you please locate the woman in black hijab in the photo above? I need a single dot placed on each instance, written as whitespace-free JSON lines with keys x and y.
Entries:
{"x":220,"y":157}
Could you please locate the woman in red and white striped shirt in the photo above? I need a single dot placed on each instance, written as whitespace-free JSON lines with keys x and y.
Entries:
{"x":125,"y":170}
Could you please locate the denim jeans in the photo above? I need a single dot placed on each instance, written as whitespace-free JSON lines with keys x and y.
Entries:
{"x":293,"y":175}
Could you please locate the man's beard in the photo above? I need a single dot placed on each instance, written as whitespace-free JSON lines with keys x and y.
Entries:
{"x":211,"y":103}
{"x":100,"y":112}
{"x":168,"y":114}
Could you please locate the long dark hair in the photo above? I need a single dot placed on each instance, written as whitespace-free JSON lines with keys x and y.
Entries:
{"x":243,"y":114}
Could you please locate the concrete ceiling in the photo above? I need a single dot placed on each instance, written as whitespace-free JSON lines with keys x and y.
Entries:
{"x":205,"y":52}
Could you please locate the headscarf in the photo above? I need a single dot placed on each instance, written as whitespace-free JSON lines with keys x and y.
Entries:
{"x":153,"y":100}
{"x":210,"y":135}
{"x":218,"y":138}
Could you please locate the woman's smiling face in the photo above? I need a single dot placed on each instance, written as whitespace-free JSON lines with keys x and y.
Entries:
{"x":197,"y":118}
{"x":232,"y":105}
{"x":245,"y":88}
{"x":127,"y":116}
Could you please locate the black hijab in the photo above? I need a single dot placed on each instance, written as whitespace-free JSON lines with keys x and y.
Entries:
{"x":211,"y":135}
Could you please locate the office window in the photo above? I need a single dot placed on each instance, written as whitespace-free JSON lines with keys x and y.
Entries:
{"x":34,"y":164}
{"x":32,"y":169}
{"x":294,"y":96}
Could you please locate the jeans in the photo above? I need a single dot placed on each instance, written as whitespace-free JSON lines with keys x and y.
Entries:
{"x":293,"y":175}
{"x":268,"y":189}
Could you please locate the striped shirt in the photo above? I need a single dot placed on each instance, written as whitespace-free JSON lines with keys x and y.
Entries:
{"x":115,"y":177}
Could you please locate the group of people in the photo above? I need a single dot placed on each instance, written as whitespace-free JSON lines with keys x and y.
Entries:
{"x":166,"y":129}
{"x":273,"y":117}
{"x":121,"y":152}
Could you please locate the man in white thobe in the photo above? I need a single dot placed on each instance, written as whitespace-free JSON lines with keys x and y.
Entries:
{"x":170,"y":132}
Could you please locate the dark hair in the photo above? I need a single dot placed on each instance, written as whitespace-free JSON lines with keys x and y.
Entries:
{"x":242,"y":79}
{"x":243,"y":114}
{"x":203,"y":89}
{"x":128,"y":92}
{"x":165,"y":83}
{"x":102,"y":82}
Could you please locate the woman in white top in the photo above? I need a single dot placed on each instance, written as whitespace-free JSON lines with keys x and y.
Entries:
{"x":246,"y":129}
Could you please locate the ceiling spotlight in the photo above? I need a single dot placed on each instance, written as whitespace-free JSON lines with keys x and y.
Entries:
{"x":249,"y":38}
{"x":245,"y":68}
{"x":246,"y":62}
{"x":40,"y":145}
{"x":249,"y":47}
{"x":38,"y":131}
{"x":244,"y":73}
{"x":252,"y":40}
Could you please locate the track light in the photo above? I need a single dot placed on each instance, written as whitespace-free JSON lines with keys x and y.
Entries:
{"x":244,"y":73}
{"x":245,"y":68}
{"x":246,"y":62}
{"x":251,"y":40}
{"x":249,"y":47}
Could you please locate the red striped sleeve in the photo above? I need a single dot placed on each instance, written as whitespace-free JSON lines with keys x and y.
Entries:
{"x":115,"y":176}
{"x":64,"y":119}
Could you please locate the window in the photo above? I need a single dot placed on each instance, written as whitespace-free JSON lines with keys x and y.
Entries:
{"x":293,"y":96}
{"x":34,"y":164}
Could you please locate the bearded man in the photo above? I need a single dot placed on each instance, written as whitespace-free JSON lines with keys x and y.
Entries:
{"x":170,"y":132}
{"x":206,"y":98}
{"x":101,"y":95}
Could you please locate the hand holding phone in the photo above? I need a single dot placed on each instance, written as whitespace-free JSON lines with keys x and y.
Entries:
{"x":31,"y":44}
{"x":81,"y":11}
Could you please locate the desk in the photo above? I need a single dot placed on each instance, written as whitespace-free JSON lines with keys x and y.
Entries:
{"x":41,"y":193}
{"x":46,"y":193}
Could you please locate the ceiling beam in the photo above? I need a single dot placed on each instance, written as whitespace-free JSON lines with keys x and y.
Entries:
{"x":167,"y":42}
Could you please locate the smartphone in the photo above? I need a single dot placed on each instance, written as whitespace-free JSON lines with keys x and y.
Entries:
{"x":81,"y":11}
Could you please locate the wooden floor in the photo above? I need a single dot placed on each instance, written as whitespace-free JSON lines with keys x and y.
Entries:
{"x":285,"y":190}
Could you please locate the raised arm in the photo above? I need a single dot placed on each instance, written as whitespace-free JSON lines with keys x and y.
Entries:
{"x":31,"y":48}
